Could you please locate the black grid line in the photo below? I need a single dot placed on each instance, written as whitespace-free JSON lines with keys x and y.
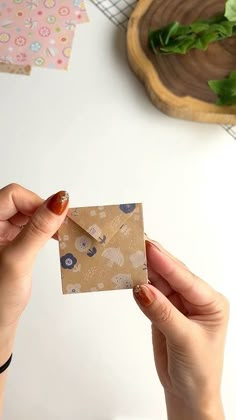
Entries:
{"x":119,"y":11}
{"x":231,"y":129}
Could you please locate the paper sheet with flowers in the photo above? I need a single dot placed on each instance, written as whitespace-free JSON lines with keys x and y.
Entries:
{"x":39,"y":32}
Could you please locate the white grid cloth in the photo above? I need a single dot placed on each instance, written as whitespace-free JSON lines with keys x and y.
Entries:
{"x":119,"y":11}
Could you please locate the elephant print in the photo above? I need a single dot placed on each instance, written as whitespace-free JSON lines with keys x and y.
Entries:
{"x":114,"y":256}
{"x":122,"y":281}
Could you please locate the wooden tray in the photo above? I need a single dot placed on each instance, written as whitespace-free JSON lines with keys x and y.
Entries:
{"x":177,"y":84}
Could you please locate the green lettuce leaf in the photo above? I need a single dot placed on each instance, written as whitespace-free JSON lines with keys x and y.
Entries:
{"x":230,"y":10}
{"x":179,"y":39}
{"x":225,"y":89}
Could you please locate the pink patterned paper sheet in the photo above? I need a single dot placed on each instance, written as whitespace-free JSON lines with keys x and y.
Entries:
{"x":39,"y":32}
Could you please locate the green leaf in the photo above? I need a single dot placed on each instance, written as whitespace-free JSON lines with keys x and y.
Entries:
{"x":169,"y":32}
{"x":179,"y":47}
{"x":230,"y":10}
{"x":198,"y":27}
{"x":179,"y":39}
{"x":224,"y":28}
{"x":205,"y":39}
{"x":225,"y":89}
{"x":232,"y":75}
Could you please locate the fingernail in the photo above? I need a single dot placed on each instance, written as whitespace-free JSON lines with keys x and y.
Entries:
{"x":144,"y":295}
{"x":152,"y":244}
{"x":58,"y":202}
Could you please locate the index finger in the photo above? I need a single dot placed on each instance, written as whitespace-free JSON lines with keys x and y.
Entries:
{"x":182,"y":280}
{"x":16,"y":199}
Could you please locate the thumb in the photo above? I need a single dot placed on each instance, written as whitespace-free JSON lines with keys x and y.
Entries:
{"x":42,"y":226}
{"x":162,"y":313}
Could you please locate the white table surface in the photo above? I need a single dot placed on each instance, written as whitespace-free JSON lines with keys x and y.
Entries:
{"x":93,"y":131}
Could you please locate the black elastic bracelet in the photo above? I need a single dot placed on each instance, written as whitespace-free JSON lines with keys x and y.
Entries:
{"x":6,"y":365}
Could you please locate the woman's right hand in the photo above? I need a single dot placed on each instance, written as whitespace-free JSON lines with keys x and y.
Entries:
{"x":189,"y":323}
{"x":19,"y":247}
{"x":18,"y":250}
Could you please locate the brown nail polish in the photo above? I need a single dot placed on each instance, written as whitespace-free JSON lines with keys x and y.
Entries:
{"x":58,"y":202}
{"x":144,"y":295}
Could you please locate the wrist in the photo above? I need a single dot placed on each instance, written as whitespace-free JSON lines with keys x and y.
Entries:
{"x":208,"y":409}
{"x":7,"y":336}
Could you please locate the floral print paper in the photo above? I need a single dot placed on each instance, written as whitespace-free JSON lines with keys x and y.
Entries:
{"x":102,"y":248}
{"x":39,"y":32}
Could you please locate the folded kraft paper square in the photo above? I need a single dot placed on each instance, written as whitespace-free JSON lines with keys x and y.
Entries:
{"x":102,"y":248}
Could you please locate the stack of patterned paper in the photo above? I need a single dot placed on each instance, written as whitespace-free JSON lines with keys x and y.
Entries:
{"x":38,"y":33}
